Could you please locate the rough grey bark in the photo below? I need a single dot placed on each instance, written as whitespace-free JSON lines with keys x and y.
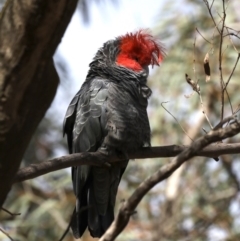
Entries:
{"x":30,"y":31}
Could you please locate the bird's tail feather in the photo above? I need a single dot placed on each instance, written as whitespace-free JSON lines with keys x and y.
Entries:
{"x":79,"y":219}
{"x":95,"y":201}
{"x":101,"y":212}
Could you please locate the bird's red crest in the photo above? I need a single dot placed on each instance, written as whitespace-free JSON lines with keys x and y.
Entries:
{"x":138,"y":50}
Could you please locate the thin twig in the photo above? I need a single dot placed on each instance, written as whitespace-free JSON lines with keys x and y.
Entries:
{"x":194,"y":56}
{"x":237,"y":109}
{"x":66,"y":231}
{"x":72,"y":216}
{"x":229,"y":100}
{"x":220,"y":31}
{"x":175,"y":119}
{"x":196,"y":88}
{"x":210,"y":13}
{"x":238,"y":31}
{"x":220,"y":58}
{"x":233,"y":70}
{"x":211,"y":4}
{"x":231,"y":34}
{"x":3,"y":231}
{"x":231,"y":74}
{"x":203,"y":111}
{"x":203,"y":37}
{"x":235,"y":48}
{"x":12,"y":214}
{"x":224,"y":121}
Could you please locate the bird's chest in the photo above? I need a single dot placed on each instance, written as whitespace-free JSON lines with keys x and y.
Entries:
{"x":127,"y":120}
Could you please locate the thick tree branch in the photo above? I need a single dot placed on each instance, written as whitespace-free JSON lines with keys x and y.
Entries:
{"x":164,"y":172}
{"x":32,"y":30}
{"x":95,"y":158}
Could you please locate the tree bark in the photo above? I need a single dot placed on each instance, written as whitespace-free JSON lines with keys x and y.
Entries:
{"x":30,"y":31}
{"x":98,"y":159}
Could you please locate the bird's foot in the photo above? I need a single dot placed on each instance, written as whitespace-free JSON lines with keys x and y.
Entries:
{"x":122,"y":155}
{"x":106,"y":152}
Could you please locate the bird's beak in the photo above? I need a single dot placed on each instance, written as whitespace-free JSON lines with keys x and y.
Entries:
{"x":146,"y":70}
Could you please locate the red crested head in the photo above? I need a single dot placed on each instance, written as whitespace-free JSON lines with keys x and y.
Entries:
{"x":138,"y":50}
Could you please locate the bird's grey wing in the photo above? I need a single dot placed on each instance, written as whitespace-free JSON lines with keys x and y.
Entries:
{"x":69,"y":120}
{"x":84,"y":125}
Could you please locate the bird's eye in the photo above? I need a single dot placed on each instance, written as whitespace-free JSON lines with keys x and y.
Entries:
{"x":136,"y":58}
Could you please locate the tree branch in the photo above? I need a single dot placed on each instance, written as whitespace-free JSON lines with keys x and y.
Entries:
{"x":97,"y":159}
{"x":164,"y":172}
{"x":220,"y":59}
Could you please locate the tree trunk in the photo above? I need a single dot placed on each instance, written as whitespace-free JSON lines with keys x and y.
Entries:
{"x":30,"y":31}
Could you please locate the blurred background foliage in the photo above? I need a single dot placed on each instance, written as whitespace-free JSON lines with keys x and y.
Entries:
{"x":201,"y":200}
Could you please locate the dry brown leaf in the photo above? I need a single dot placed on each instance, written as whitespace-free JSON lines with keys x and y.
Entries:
{"x":207,"y":67}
